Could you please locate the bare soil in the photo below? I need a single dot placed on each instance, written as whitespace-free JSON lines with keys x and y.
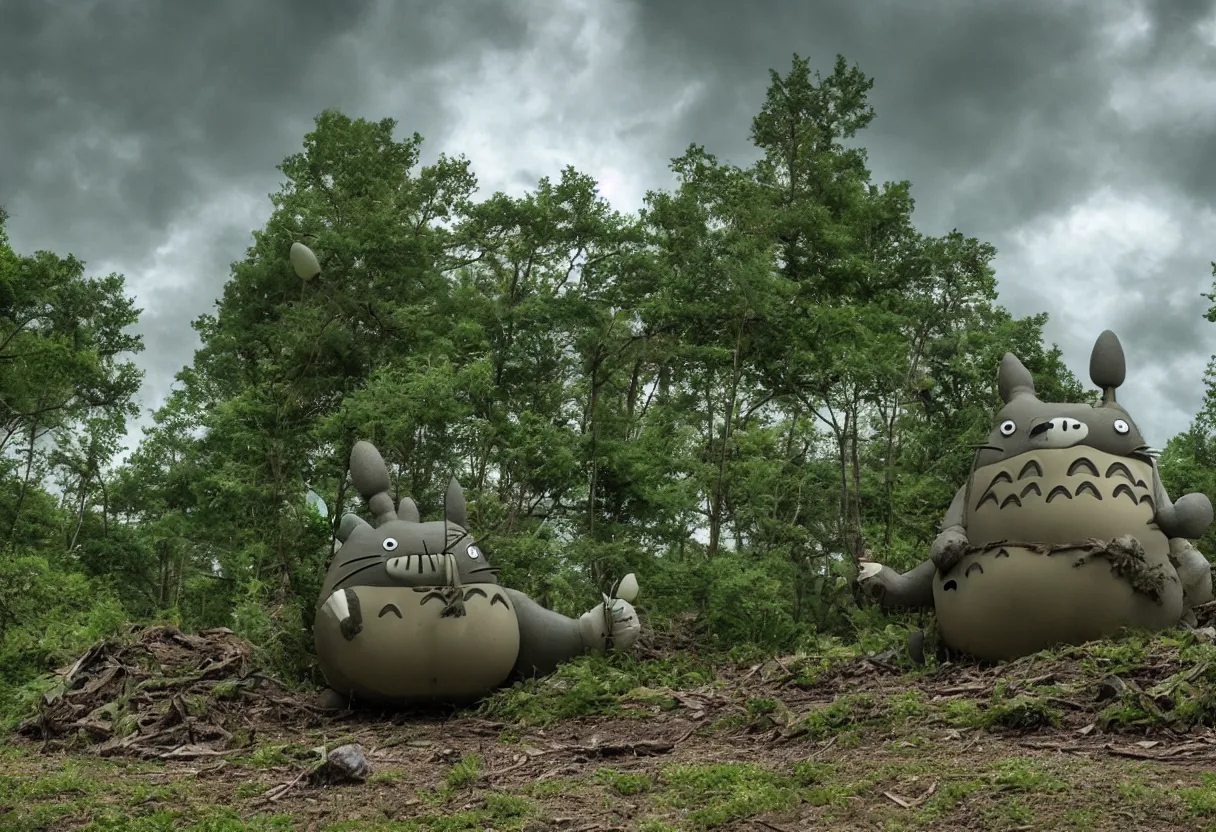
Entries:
{"x":176,"y":731}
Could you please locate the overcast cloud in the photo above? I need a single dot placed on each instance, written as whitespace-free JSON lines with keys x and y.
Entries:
{"x":1077,"y":137}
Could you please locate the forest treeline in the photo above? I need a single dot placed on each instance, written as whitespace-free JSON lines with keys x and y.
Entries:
{"x":733,"y":392}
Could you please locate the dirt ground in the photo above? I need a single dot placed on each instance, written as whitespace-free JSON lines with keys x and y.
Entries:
{"x":178,"y":732}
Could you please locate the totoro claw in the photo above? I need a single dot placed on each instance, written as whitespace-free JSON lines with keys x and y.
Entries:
{"x":344,"y":605}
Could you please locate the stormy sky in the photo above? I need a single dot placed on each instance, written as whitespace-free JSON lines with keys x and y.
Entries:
{"x":1077,"y":137}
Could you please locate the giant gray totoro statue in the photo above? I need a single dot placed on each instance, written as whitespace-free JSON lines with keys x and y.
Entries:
{"x":412,"y":612}
{"x":1063,"y":533}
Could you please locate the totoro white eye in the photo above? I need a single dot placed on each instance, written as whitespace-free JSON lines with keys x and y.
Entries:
{"x":1121,"y":427}
{"x":474,"y":552}
{"x":389,"y":544}
{"x":1008,"y":427}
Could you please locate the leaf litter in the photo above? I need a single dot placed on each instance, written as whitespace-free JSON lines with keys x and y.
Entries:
{"x":180,"y":699}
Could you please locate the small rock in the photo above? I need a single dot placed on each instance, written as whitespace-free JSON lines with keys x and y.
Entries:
{"x":344,"y":764}
{"x":1111,"y":687}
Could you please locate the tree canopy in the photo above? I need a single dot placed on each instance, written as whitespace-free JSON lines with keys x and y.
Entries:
{"x":734,"y":391}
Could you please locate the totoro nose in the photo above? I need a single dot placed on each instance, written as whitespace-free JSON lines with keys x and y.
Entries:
{"x":416,"y":570}
{"x":1059,"y":432}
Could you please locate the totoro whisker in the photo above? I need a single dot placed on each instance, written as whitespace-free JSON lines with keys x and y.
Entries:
{"x":358,"y":559}
{"x":452,"y":542}
{"x":354,"y":572}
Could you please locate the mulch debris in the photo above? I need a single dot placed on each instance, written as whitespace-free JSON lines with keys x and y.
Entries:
{"x":198,"y":699}
{"x":164,"y":694}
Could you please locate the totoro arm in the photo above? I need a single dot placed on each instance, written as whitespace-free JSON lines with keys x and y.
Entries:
{"x":1188,"y":518}
{"x":546,"y":638}
{"x":956,"y":515}
{"x":914,"y":588}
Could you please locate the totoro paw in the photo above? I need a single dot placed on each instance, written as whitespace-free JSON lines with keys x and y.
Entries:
{"x":868,"y":571}
{"x":948,"y":549}
{"x":344,"y":605}
{"x":1193,"y":516}
{"x":625,"y":625}
{"x":872,"y":578}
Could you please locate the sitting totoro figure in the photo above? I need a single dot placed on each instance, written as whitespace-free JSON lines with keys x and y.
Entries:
{"x":412,"y":612}
{"x":1063,"y":533}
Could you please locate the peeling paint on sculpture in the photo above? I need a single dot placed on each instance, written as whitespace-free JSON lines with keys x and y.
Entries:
{"x":412,"y":612}
{"x":1064,"y":532}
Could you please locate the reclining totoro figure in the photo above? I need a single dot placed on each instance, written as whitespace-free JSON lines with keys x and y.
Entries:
{"x":412,"y":612}
{"x":1063,"y":533}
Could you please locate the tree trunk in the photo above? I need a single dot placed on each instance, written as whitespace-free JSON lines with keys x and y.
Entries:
{"x":25,"y":484}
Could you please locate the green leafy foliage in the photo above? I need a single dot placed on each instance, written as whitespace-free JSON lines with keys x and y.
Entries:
{"x":734,"y":392}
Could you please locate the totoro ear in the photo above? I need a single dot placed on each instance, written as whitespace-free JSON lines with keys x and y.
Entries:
{"x":368,"y":471}
{"x":349,"y":523}
{"x":370,"y":476}
{"x":407,"y":511}
{"x":454,"y":508}
{"x":1014,"y":379}
{"x":303,"y":261}
{"x":1107,"y":365}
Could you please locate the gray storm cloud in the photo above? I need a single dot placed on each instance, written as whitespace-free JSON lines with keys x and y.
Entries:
{"x":136,"y":131}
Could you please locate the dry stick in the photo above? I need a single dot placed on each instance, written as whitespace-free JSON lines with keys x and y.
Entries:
{"x":281,"y":790}
{"x":768,"y":825}
{"x":510,"y":768}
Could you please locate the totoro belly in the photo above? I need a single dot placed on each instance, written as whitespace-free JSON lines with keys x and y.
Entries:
{"x":1014,"y":601}
{"x":420,"y":656}
{"x":1012,"y":598}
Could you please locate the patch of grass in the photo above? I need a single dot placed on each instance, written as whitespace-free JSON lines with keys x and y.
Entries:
{"x":215,"y":820}
{"x":716,"y":795}
{"x":656,"y":825}
{"x":227,"y":689}
{"x":624,"y":783}
{"x":1113,"y":657}
{"x":386,"y":777}
{"x":1020,"y":713}
{"x":947,"y":799}
{"x":841,"y":716}
{"x":247,"y":790}
{"x":500,"y":812}
{"x":963,"y":713}
{"x":466,"y":773}
{"x":70,"y":781}
{"x":757,"y":708}
{"x":1081,"y":820}
{"x":1200,"y":801}
{"x":269,"y":756}
{"x":906,"y":707}
{"x":830,"y":655}
{"x":1010,"y":812}
{"x":1023,"y":774}
{"x":811,"y":773}
{"x":820,"y":785}
{"x":552,"y":787}
{"x":594,"y":685}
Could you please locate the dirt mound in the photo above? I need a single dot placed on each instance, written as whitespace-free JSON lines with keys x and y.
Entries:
{"x":164,"y":694}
